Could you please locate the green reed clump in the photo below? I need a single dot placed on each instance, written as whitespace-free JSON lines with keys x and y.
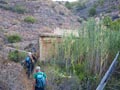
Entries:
{"x":89,"y":55}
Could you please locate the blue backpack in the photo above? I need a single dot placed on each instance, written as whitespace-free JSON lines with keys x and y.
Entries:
{"x":28,"y":61}
{"x":40,"y":81}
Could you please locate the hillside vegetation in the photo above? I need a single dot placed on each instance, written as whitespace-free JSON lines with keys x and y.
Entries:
{"x":13,"y":77}
{"x":88,"y":8}
{"x":79,"y":62}
{"x":82,"y":61}
{"x":29,"y":18}
{"x":21,"y":22}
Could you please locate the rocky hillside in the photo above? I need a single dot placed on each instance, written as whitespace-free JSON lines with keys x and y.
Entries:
{"x":27,"y":18}
{"x":12,"y":77}
{"x":96,"y":7}
{"x":46,"y":16}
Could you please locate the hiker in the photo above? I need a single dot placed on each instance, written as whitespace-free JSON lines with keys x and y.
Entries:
{"x":40,"y":79}
{"x":34,"y":57}
{"x":29,"y":63}
{"x":34,"y":54}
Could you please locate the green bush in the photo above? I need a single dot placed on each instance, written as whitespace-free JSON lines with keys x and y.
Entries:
{"x":119,"y":7}
{"x":16,"y":56}
{"x":95,"y":5}
{"x":80,"y":71}
{"x":113,"y":7}
{"x":108,"y":10}
{"x":107,"y":20}
{"x":19,"y":9}
{"x":6,"y":7}
{"x":13,"y":38}
{"x":113,"y":25}
{"x":101,"y":2}
{"x":77,"y":5}
{"x":30,"y":19}
{"x":3,"y":2}
{"x":92,"y":11}
{"x":80,"y":5}
{"x":80,"y":20}
{"x":68,"y":5}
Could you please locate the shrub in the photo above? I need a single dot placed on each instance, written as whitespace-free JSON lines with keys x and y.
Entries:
{"x":77,"y":5}
{"x":115,"y":25}
{"x":3,"y":2}
{"x":95,"y":5}
{"x":68,"y":5}
{"x":119,"y":7}
{"x":92,"y":11}
{"x":19,"y":9}
{"x":107,"y":20}
{"x":108,"y":10}
{"x":113,"y":7}
{"x":16,"y":56}
{"x":30,"y":19}
{"x":101,"y":2}
{"x":5,"y":7}
{"x":80,"y":71}
{"x":80,"y":20}
{"x":13,"y":38}
{"x":80,"y":5}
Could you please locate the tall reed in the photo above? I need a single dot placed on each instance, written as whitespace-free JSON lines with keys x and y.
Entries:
{"x":90,"y":54}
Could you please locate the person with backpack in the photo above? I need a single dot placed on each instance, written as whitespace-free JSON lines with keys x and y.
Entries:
{"x":29,"y":64}
{"x":34,"y":58}
{"x":40,"y":79}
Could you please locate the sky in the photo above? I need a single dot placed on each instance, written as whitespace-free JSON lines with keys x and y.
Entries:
{"x":66,"y":0}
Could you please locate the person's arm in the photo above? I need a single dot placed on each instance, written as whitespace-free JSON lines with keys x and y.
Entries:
{"x":32,"y":58}
{"x":35,"y":57}
{"x":46,"y":81}
{"x":45,"y":78}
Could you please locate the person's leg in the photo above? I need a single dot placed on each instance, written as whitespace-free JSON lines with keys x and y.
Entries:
{"x":32,"y":67}
{"x":36,"y":88}
{"x":41,"y":89}
{"x":29,"y":71}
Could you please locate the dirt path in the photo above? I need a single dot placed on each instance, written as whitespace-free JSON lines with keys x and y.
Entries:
{"x":13,"y":77}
